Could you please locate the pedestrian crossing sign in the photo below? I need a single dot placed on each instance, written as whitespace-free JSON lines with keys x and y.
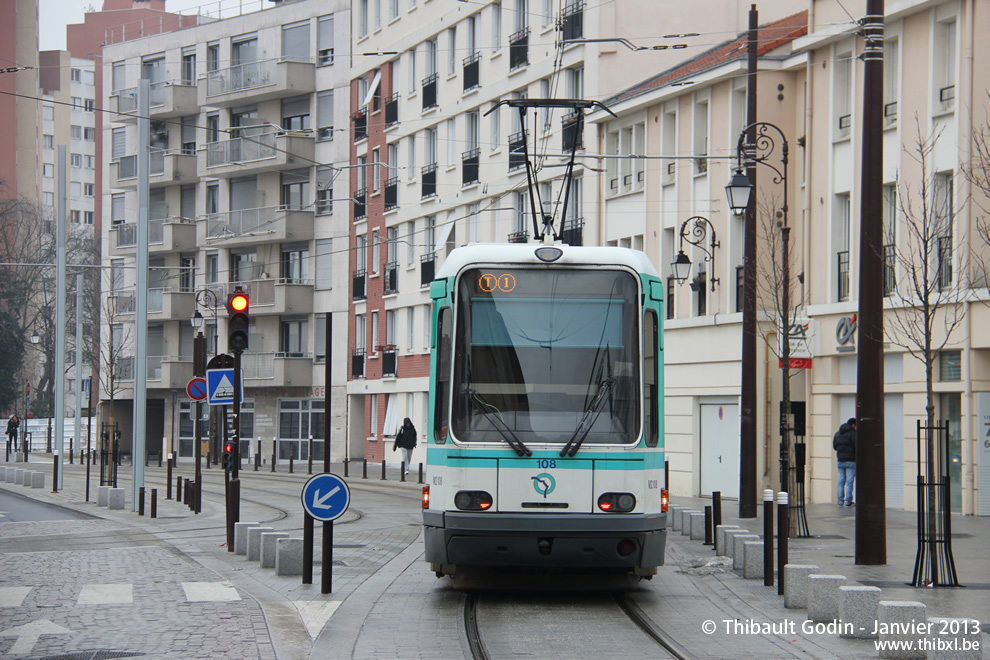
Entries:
{"x":220,"y":387}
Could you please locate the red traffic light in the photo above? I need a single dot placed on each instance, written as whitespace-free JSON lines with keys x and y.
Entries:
{"x":238,"y":302}
{"x":228,"y":447}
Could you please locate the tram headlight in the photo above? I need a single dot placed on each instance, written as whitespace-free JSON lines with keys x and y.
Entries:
{"x":617,"y":502}
{"x":549,"y":254}
{"x":473,"y":500}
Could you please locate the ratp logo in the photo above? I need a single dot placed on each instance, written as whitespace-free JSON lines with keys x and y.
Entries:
{"x":544,"y":484}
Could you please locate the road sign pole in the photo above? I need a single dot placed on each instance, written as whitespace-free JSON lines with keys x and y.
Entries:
{"x":326,"y":586}
{"x":307,"y":576}
{"x":326,"y":497}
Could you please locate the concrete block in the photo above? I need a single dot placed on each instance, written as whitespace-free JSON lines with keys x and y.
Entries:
{"x":102,"y":495}
{"x":24,"y":479}
{"x":963,"y":634}
{"x":268,"y":547}
{"x":289,"y":557}
{"x":720,"y":538}
{"x":3,"y":473}
{"x":674,"y":517}
{"x":858,"y":611}
{"x":738,"y":548}
{"x":697,"y":526}
{"x":116,"y":499}
{"x":823,"y":597}
{"x":241,"y":537}
{"x":19,"y":457}
{"x":11,"y":474}
{"x":37,"y":480}
{"x":753,"y":560}
{"x":796,"y":585}
{"x":254,"y":542}
{"x":19,"y":476}
{"x":901,"y":621}
{"x":731,"y":534}
{"x":686,"y":521}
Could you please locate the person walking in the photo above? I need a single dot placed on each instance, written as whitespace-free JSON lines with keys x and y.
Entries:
{"x":844,"y":444}
{"x":13,"y":424}
{"x":405,"y":440}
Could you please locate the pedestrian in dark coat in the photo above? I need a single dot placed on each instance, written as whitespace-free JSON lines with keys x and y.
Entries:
{"x":844,"y":444}
{"x":405,"y":440}
{"x":12,"y":425}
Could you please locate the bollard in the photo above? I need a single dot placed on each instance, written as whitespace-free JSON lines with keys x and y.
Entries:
{"x":345,"y":467}
{"x":716,"y":509}
{"x":402,"y":471}
{"x":141,"y":500}
{"x":55,"y":472}
{"x":178,"y":489}
{"x":291,"y":459}
{"x":273,"y":456}
{"x":257,"y":459}
{"x":383,"y":471}
{"x":168,"y":478}
{"x":420,"y":473}
{"x":72,"y":452}
{"x":309,"y":468}
{"x":708,"y":526}
{"x":364,"y":469}
{"x":154,"y":502}
{"x":208,"y":461}
{"x":186,"y":492}
{"x":768,"y":538}
{"x":666,"y":475}
{"x":783,"y":530}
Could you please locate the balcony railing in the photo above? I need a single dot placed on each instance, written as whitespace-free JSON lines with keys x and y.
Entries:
{"x":519,"y":49}
{"x":889,"y":269}
{"x":389,"y":359}
{"x":239,"y":149}
{"x":242,"y":221}
{"x":517,"y":146}
{"x":472,"y":71}
{"x":360,"y":122}
{"x":521,"y":236}
{"x":430,"y":91}
{"x":392,"y":110}
{"x":573,"y":231}
{"x":843,"y":271}
{"x":126,"y":167}
{"x":124,"y":367}
{"x":242,"y":76}
{"x":570,"y":135}
{"x":258,"y":365}
{"x":469,"y":166}
{"x":357,"y":363}
{"x":392,"y":277}
{"x":427,"y":269}
{"x":573,"y":16}
{"x":429,"y":180}
{"x":358,"y":288}
{"x":360,"y":204}
{"x":391,"y":193}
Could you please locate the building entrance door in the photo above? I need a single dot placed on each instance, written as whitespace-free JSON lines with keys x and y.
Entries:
{"x":720,"y":449}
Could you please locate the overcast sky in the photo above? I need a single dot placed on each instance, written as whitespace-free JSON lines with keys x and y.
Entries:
{"x":54,"y":15}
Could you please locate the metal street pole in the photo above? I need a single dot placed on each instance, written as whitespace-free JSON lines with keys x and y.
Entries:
{"x":747,"y":395}
{"x":58,"y":376}
{"x":77,"y":432}
{"x":199,"y":369}
{"x":139,"y":428}
{"x":871,"y":521}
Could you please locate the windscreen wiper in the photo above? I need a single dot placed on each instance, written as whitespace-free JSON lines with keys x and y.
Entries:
{"x":603,"y":394}
{"x":494,"y":416}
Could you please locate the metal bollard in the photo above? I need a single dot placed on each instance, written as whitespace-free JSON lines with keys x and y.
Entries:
{"x":55,"y":472}
{"x":768,"y":538}
{"x":708,"y":525}
{"x":186,"y":492}
{"x":257,"y":460}
{"x":178,"y":489}
{"x":345,"y":467}
{"x":716,"y":509}
{"x":168,"y":478}
{"x":154,"y":502}
{"x":383,"y":471}
{"x":290,"y":463}
{"x":402,"y":472}
{"x":141,"y":500}
{"x":273,"y":457}
{"x":309,"y":467}
{"x":420,"y":473}
{"x":783,"y":530}
{"x":666,"y":475}
{"x":364,"y":469}
{"x":72,"y":452}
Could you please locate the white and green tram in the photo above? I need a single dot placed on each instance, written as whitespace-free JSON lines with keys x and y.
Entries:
{"x":545,"y":442}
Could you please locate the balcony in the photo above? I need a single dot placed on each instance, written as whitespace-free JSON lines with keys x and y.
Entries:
{"x":277,"y":369}
{"x":842,"y":259}
{"x":521,"y":236}
{"x":517,"y":150}
{"x":429,"y":173}
{"x":571,"y":135}
{"x":357,"y":363}
{"x":164,"y":235}
{"x":167,"y":100}
{"x":391,"y":193}
{"x":391,"y":277}
{"x":359,"y":121}
{"x":889,"y":269}
{"x":519,"y":49}
{"x":172,"y":167}
{"x":389,"y":360}
{"x":170,"y":304}
{"x":360,"y":204}
{"x":472,"y":71}
{"x":359,"y":284}
{"x":255,"y":82}
{"x":271,"y":295}
{"x":469,"y":166}
{"x":392,"y":110}
{"x":253,"y":154}
{"x":174,"y":372}
{"x":123,"y":172}
{"x":573,"y":16}
{"x":430,"y":91}
{"x":427,"y":269}
{"x":573,"y":232}
{"x":269,"y":224}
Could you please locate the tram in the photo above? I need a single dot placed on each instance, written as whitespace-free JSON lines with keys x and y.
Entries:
{"x":545,"y":440}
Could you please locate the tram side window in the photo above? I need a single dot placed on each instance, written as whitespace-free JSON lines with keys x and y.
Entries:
{"x":442,"y":405}
{"x":651,"y":392}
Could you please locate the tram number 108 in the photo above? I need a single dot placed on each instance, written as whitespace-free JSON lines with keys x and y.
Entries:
{"x":546,"y":464}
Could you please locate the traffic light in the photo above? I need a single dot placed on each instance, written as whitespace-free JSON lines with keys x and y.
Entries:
{"x":228,"y":457}
{"x":237,"y":321}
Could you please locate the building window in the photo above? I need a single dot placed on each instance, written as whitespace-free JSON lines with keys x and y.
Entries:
{"x":292,"y":341}
{"x":324,"y":190}
{"x":89,"y":134}
{"x":295,"y":42}
{"x":842,"y":95}
{"x":943,"y":214}
{"x":89,"y":189}
{"x":891,"y":81}
{"x":362,"y":18}
{"x":949,"y":365}
{"x":451,"y":50}
{"x":294,"y":265}
{"x":48,"y":170}
{"x":295,"y":113}
{"x":88,"y":217}
{"x":944,"y":65}
{"x":496,"y":27}
{"x":324,"y":54}
{"x":324,"y":263}
{"x":75,"y":75}
{"x":48,"y":141}
{"x":841,"y":236}
{"x":324,"y":115}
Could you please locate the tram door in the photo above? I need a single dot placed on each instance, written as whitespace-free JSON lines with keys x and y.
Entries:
{"x":720,"y":449}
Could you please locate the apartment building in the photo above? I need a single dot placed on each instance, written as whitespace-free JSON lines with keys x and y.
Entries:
{"x":438,"y":163}
{"x":19,"y":47}
{"x":810,"y":88}
{"x":247,"y":142}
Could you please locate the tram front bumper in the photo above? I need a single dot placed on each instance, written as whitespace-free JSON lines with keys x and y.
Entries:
{"x":576,"y":540}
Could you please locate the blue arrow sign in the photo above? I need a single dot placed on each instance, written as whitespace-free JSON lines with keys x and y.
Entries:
{"x":325,"y":497}
{"x":220,"y":387}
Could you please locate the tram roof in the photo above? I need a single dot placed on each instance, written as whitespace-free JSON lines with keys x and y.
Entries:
{"x":525,"y":254}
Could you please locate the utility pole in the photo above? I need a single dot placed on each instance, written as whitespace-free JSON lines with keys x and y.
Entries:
{"x":138,"y":433}
{"x":747,"y":395}
{"x":871,"y":522}
{"x":77,"y":432}
{"x":58,"y":376}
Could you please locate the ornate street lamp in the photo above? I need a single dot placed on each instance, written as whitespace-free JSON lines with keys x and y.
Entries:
{"x":701,"y":229}
{"x":738,"y":191}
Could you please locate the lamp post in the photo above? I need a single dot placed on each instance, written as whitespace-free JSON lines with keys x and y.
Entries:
{"x":701,"y":229}
{"x":762,"y":149}
{"x":199,"y":369}
{"x":207,"y":298}
{"x":35,"y":340}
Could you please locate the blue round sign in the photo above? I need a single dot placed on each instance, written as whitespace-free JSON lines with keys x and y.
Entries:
{"x":325,"y":497}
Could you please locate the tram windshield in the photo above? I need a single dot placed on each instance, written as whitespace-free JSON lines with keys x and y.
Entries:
{"x":546,"y":356}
